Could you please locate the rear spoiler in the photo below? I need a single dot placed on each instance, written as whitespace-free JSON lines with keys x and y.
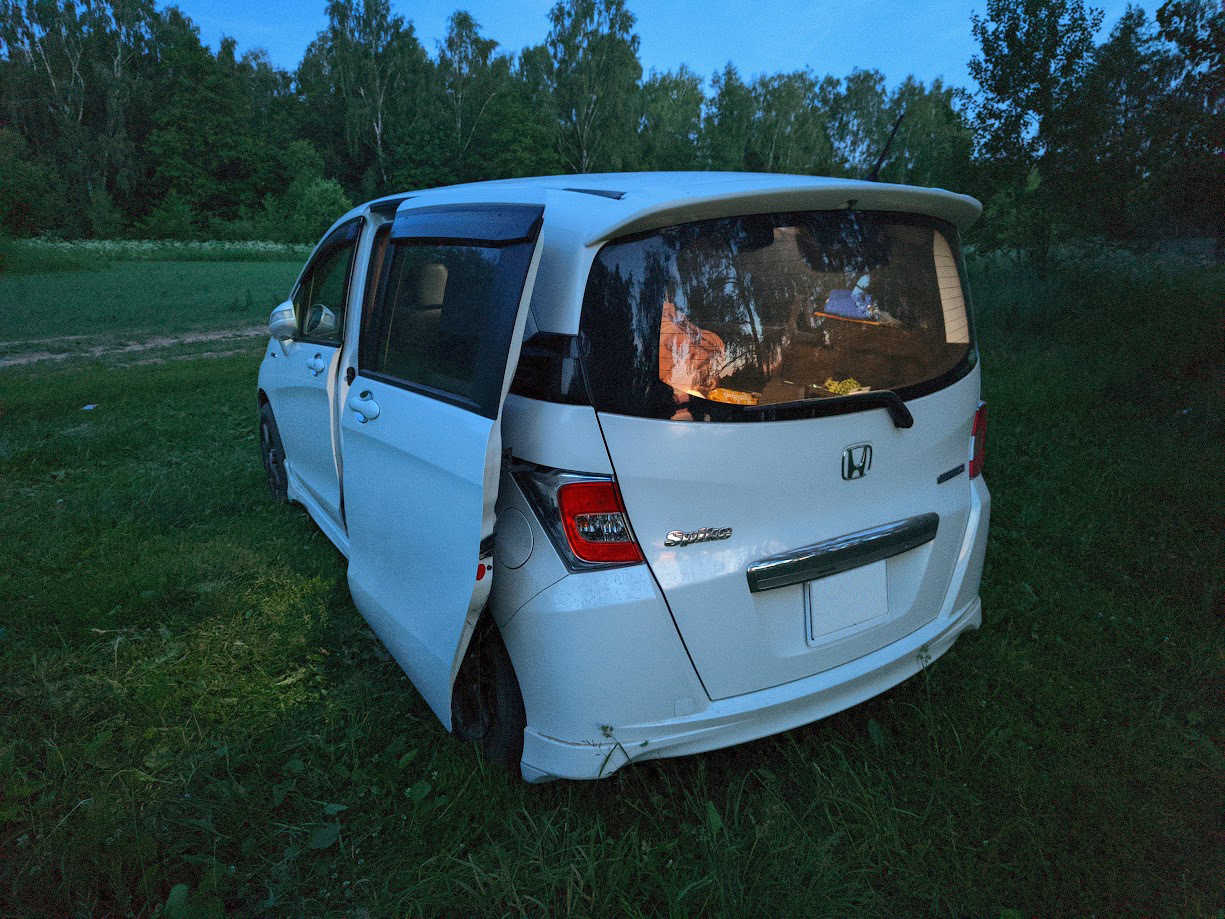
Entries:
{"x":705,"y":202}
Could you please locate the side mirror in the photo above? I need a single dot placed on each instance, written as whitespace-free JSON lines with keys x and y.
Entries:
{"x":320,"y":322}
{"x":283,"y":324}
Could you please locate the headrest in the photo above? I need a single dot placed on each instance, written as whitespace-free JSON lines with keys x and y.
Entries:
{"x":431,"y":285}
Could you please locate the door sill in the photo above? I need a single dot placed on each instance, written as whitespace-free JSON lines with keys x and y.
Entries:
{"x":329,"y":527}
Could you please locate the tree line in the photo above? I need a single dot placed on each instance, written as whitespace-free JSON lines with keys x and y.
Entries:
{"x":116,"y":120}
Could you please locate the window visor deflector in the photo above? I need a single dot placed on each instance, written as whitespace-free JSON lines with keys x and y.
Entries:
{"x":488,"y":224}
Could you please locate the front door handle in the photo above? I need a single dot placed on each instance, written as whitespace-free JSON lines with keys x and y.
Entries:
{"x":363,"y":406}
{"x":316,"y":365}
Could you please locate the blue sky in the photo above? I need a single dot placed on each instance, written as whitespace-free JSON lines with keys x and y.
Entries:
{"x":928,"y":39}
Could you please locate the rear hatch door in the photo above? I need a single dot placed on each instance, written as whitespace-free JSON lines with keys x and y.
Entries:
{"x":792,"y":522}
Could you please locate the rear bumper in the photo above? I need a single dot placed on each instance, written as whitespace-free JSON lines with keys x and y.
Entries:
{"x":753,"y":715}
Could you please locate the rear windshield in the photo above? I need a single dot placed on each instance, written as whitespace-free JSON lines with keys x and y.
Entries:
{"x":775,"y":315}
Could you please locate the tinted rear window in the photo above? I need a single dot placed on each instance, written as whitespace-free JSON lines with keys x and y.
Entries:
{"x":775,"y":315}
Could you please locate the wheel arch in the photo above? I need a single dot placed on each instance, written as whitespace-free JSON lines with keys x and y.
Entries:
{"x":486,"y":666}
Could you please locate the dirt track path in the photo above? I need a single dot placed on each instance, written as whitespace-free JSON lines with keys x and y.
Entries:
{"x":21,"y":353}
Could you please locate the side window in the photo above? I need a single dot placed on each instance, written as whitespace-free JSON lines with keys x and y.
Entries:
{"x":437,"y":303}
{"x":443,"y":319}
{"x":319,"y":301}
{"x":448,"y":301}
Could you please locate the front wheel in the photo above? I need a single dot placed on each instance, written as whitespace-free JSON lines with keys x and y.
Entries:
{"x":487,"y":706}
{"x":273,"y":453}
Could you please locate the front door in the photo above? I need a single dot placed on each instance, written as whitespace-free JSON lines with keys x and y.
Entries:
{"x":304,"y":400}
{"x":421,"y":429}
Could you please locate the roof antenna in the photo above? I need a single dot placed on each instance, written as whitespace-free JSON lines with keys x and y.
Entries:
{"x":874,"y":175}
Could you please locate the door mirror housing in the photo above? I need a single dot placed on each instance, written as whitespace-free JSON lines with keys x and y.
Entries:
{"x":283,"y":324}
{"x":320,"y":322}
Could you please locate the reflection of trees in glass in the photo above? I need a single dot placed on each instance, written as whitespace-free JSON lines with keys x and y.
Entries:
{"x":842,"y":250}
{"x":720,"y":291}
{"x":621,"y":338}
{"x":758,"y":286}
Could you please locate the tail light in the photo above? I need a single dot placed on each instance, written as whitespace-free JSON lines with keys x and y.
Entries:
{"x":597,"y":529}
{"x":979,"y":454}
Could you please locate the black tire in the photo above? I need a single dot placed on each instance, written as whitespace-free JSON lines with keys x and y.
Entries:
{"x":487,"y":706}
{"x":272,"y":452}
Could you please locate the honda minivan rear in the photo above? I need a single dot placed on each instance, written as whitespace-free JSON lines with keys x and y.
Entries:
{"x":790,"y":405}
{"x":779,"y":384}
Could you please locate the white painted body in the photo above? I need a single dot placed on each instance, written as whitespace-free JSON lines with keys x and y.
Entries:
{"x":671,"y":656}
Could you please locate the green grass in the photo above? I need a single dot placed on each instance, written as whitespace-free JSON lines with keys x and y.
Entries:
{"x":40,"y":255}
{"x":133,"y":298}
{"x":192,"y":713}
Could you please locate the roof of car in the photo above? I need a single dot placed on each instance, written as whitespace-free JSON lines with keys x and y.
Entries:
{"x":581,"y":212}
{"x":599,"y":206}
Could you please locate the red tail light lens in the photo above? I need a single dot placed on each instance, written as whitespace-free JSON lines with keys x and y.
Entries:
{"x":979,"y":456}
{"x":597,"y":528}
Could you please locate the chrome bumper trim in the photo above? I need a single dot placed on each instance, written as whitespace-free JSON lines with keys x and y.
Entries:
{"x":842,"y":553}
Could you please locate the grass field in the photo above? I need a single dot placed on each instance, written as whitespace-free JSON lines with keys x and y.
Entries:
{"x":194,"y":718}
{"x":126,"y":298}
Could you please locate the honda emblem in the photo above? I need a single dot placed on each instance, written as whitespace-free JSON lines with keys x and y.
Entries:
{"x":856,"y":461}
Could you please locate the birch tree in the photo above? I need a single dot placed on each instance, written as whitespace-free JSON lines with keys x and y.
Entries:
{"x":593,"y":73}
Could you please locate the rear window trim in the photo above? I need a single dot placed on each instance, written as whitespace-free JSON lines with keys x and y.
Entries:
{"x":808,"y":408}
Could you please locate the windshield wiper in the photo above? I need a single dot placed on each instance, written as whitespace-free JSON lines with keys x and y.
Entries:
{"x":815,"y":408}
{"x":887,"y":399}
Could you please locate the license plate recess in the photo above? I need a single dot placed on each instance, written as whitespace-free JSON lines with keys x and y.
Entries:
{"x":845,"y":601}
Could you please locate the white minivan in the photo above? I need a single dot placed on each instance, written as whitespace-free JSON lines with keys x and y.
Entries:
{"x":633,"y":466}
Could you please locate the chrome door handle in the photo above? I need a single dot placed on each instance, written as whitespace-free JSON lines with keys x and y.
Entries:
{"x":363,"y":406}
{"x":316,"y":365}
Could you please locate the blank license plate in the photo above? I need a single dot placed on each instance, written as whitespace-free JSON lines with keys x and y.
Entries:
{"x":847,"y":599}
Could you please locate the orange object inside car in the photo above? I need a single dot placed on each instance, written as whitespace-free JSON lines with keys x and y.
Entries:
{"x":690,"y":358}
